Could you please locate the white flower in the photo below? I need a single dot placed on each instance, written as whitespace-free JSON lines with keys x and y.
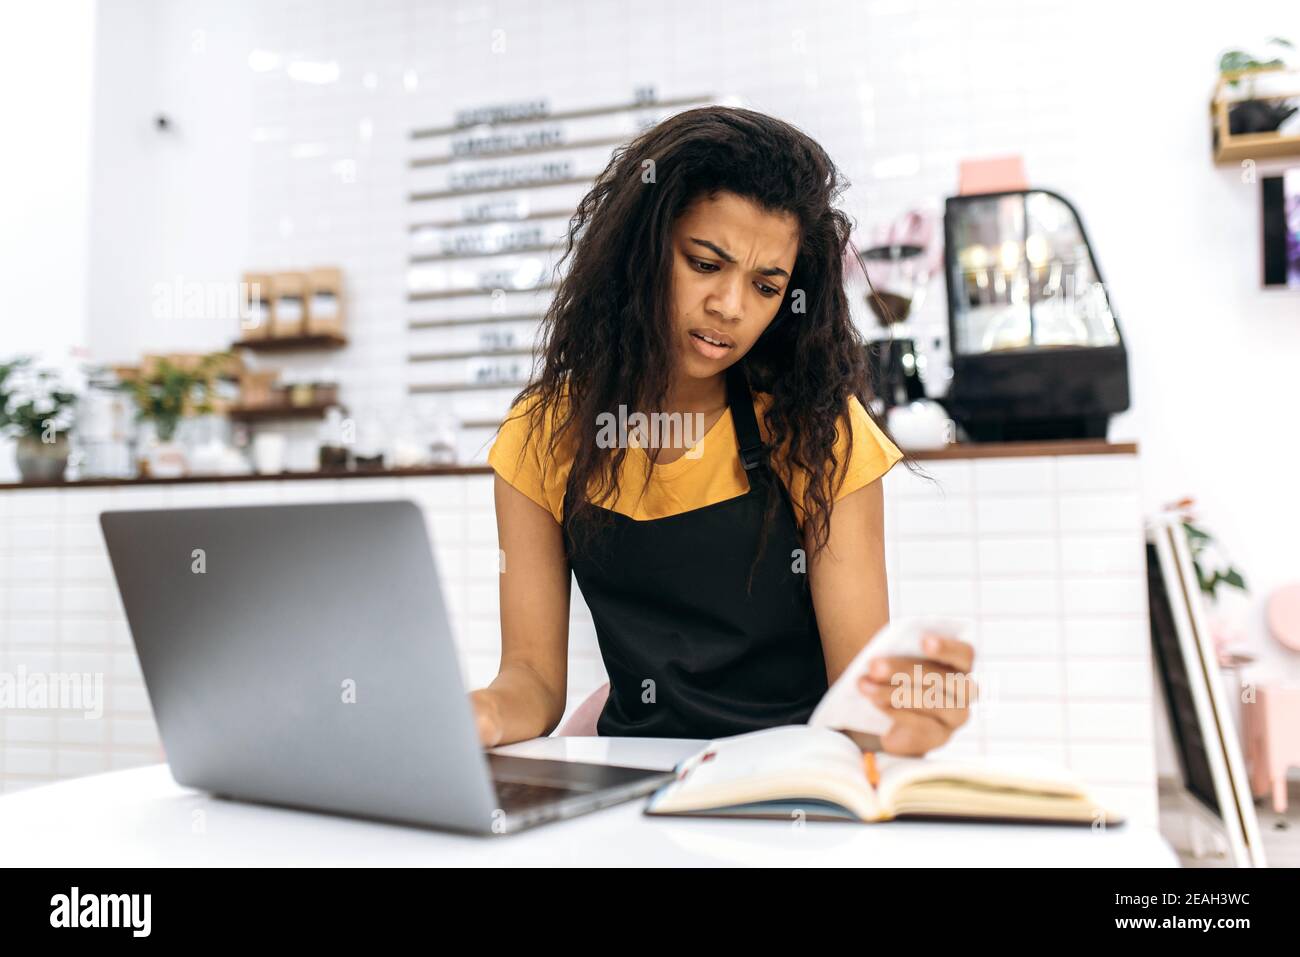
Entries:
{"x":1211,"y":559}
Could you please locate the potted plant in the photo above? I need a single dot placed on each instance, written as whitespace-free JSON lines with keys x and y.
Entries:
{"x":165,"y":392}
{"x":36,"y":408}
{"x":1213,"y":572}
{"x":1253,"y":115}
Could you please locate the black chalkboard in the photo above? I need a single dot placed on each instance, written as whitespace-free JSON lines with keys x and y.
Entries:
{"x":1189,"y":742}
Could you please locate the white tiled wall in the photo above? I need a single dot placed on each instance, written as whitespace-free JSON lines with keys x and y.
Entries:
{"x":1045,"y":554}
{"x":288,"y":173}
{"x":267,"y":170}
{"x":60,"y":612}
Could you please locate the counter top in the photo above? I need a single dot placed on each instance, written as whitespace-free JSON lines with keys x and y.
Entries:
{"x":1004,"y":450}
{"x":433,"y":470}
{"x":142,"y":817}
{"x":964,"y":450}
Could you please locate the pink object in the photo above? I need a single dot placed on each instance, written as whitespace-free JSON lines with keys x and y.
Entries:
{"x":582,"y":723}
{"x":916,"y":227}
{"x":994,"y":175}
{"x":1283,"y":615}
{"x":1271,"y":731}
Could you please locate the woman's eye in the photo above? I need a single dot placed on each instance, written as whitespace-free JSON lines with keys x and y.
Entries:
{"x":703,"y":265}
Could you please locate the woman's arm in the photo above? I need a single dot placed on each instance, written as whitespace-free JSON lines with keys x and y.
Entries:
{"x":527,"y":697}
{"x":851,"y":598}
{"x":849,"y":588}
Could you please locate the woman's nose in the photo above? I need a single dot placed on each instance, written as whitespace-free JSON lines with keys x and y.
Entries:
{"x":726,"y":300}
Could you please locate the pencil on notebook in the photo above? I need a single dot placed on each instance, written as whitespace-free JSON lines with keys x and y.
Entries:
{"x":869,"y":765}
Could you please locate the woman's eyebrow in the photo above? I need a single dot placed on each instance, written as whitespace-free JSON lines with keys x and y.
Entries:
{"x":766,"y":271}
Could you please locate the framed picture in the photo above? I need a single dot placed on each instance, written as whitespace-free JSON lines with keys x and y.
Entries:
{"x":1205,"y":737}
{"x":1281,"y":220}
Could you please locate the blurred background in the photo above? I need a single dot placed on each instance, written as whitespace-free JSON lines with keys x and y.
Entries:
{"x":299,"y":241}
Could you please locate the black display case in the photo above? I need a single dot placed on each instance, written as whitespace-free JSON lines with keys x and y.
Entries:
{"x":1037,"y":351}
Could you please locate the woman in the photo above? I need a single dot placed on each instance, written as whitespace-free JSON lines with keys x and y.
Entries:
{"x":732,"y":552}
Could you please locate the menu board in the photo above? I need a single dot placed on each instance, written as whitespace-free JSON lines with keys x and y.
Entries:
{"x":490,"y":199}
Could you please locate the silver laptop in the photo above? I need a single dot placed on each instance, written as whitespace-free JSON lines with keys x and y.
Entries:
{"x":301,"y":655}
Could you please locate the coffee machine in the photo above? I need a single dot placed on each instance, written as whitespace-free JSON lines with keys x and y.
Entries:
{"x":1037,"y":352}
{"x":899,"y":263}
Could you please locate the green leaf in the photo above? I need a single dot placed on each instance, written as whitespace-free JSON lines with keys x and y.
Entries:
{"x":1234,"y":60}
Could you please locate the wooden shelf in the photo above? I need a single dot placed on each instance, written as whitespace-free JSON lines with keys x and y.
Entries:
{"x":446,"y":159}
{"x":464,"y":386}
{"x":469,"y":354}
{"x":1233,"y":148}
{"x":431,"y":471}
{"x":1245,"y":146}
{"x":325,"y":340}
{"x":418,"y":324}
{"x":476,"y":291}
{"x":581,"y":113}
{"x":271,"y":413}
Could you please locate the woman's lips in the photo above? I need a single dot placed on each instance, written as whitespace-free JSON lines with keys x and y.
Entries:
{"x":710,"y":343}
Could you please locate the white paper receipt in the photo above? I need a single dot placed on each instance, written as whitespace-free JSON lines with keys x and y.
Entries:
{"x":845,"y":707}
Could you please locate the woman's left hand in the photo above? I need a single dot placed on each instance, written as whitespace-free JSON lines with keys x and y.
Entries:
{"x":926,"y":711}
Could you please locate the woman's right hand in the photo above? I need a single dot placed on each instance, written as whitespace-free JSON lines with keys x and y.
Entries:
{"x":486,"y":717}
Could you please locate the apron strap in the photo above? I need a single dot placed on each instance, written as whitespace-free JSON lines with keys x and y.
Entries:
{"x":741,"y":402}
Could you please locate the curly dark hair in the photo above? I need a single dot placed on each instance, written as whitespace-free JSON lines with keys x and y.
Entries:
{"x":605,"y":336}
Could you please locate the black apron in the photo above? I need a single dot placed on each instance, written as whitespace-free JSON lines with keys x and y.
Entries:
{"x":693,"y":648}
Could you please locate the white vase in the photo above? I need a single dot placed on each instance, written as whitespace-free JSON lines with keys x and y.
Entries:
{"x":42,"y":461}
{"x":167,"y":460}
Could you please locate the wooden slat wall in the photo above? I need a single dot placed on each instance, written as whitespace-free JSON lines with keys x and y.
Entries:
{"x":490,"y":199}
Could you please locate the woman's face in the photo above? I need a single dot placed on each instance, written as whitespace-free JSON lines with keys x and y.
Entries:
{"x":731,"y":262}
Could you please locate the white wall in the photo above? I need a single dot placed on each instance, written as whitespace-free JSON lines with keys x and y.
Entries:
{"x":47,"y":56}
{"x":1042,"y":553}
{"x":167,"y":205}
{"x":1107,"y":103}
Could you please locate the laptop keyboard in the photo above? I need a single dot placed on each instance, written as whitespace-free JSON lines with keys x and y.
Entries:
{"x":519,"y":796}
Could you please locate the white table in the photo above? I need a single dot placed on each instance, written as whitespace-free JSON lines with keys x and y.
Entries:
{"x":142,"y":817}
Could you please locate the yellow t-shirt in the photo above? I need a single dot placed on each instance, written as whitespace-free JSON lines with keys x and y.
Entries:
{"x":708,"y":473}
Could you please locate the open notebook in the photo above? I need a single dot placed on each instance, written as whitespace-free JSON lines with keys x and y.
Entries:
{"x":816,"y":770}
{"x":820,"y":773}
